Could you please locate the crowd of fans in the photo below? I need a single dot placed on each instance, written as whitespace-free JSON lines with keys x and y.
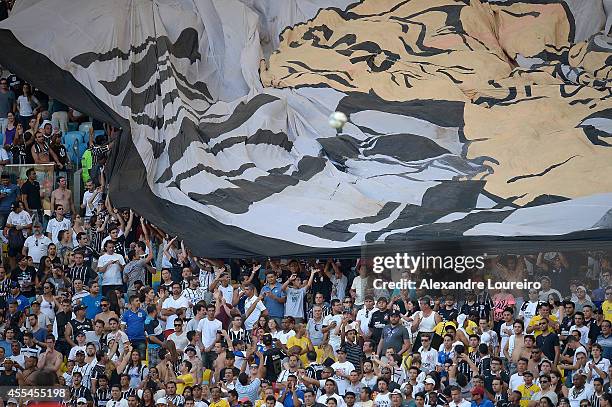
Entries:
{"x":96,"y":300}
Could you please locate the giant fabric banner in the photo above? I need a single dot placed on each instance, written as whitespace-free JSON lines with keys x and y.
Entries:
{"x":466,"y":118}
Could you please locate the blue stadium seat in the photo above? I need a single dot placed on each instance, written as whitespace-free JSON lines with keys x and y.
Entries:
{"x":96,"y":134}
{"x":84,"y":127}
{"x":72,"y":139}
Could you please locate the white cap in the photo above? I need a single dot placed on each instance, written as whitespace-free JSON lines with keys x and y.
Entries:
{"x":161,"y":400}
{"x":81,"y":400}
{"x":430,"y":380}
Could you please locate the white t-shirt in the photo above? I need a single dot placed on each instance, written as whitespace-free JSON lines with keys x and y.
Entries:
{"x":3,"y":154}
{"x":228,"y":292}
{"x":37,"y":247}
{"x":346,"y":368}
{"x":603,"y":364}
{"x":575,"y":396}
{"x":19,"y":219}
{"x":170,"y":302}
{"x":209,"y":330}
{"x":112,"y":275}
{"x":359,"y":285}
{"x":89,"y":210}
{"x":25,"y":107}
{"x":528,"y":311}
{"x":429,"y":359}
{"x":382,"y":400}
{"x":584,"y":333}
{"x":334,"y":339}
{"x":338,"y":286}
{"x":54,"y":226}
{"x":580,"y":349}
{"x":284,"y":337}
{"x":505,"y":337}
{"x":339,"y":400}
{"x":120,"y":337}
{"x":249,"y":323}
{"x":364,"y":316}
{"x":515,"y":381}
{"x":294,"y":307}
{"x":180,"y":341}
{"x":463,"y":403}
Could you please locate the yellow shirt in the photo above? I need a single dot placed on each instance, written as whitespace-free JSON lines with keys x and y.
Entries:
{"x":527,"y":393}
{"x":303,"y":343}
{"x":439,"y":328}
{"x":188,"y":379}
{"x":206,"y":375}
{"x":537,"y":319}
{"x":220,"y":403}
{"x":606,"y":307}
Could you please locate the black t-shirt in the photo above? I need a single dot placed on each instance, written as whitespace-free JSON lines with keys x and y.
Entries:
{"x":322,"y":284}
{"x":8,"y":380}
{"x":547,"y":344}
{"x":377,"y":323}
{"x":62,"y":319}
{"x":80,"y":326}
{"x":489,"y":376}
{"x":566,"y":324}
{"x":32,"y":192}
{"x":88,"y":254}
{"x":26,"y":279}
{"x":448,"y":315}
{"x":273,"y":359}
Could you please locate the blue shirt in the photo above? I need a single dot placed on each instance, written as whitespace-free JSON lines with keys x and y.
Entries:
{"x":483,"y":403}
{"x":8,"y":352}
{"x":135,"y":322}
{"x":93,"y":305}
{"x":288,"y":402}
{"x":11,"y":192}
{"x":275,"y":308}
{"x":251,"y":390}
{"x":22,"y":301}
{"x":40,"y":335}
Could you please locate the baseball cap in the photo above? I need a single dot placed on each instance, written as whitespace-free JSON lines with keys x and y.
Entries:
{"x":80,"y":307}
{"x":12,"y":401}
{"x":478,"y":390}
{"x":161,"y":400}
{"x":429,"y":380}
{"x":396,"y":391}
{"x":395,"y":314}
{"x":81,"y":400}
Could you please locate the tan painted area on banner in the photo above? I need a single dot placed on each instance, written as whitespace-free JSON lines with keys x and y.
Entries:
{"x":523,"y":136}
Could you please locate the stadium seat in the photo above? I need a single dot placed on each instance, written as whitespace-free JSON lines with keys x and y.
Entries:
{"x":84,"y":127}
{"x":72,"y":139}
{"x":96,"y":134}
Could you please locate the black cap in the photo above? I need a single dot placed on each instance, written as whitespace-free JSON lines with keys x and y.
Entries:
{"x":80,"y":307}
{"x":395,"y":313}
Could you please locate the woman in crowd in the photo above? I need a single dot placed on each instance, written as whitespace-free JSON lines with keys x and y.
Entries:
{"x":27,"y":105}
